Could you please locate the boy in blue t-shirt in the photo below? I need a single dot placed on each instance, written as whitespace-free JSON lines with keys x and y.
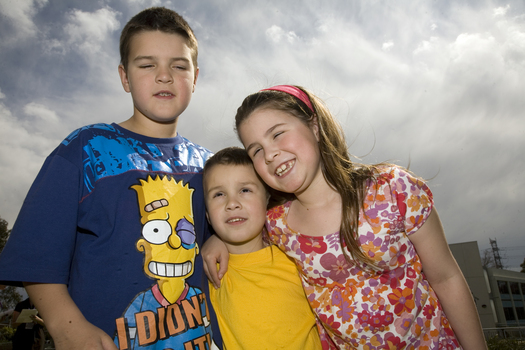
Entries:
{"x":107,"y":240}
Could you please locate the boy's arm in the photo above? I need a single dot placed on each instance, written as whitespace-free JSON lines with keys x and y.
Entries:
{"x":66,"y":324}
{"x":214,"y":251}
{"x":446,"y":278}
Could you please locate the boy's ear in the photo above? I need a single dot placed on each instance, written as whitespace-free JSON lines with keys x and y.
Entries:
{"x":124,"y":78}
{"x":195,"y":79}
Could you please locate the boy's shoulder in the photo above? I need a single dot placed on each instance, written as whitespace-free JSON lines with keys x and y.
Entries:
{"x":89,"y":129}
{"x":194,"y":149}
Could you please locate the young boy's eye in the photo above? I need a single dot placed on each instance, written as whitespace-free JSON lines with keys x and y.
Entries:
{"x":245,"y":190}
{"x":218,"y":194}
{"x":277,"y":134}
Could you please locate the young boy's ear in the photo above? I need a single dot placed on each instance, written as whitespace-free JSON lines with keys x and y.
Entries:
{"x":124,"y":78}
{"x":195,"y":79}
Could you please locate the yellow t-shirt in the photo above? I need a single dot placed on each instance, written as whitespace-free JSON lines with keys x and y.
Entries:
{"x":261,"y":304}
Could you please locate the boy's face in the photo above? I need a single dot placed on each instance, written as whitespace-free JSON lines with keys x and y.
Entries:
{"x":236,"y":205}
{"x":160,"y":76}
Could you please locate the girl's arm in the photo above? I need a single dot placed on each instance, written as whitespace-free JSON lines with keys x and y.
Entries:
{"x":66,"y":324}
{"x":214,"y":252}
{"x":445,"y":277}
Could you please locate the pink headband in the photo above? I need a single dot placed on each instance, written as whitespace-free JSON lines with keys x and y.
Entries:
{"x":294,"y":91}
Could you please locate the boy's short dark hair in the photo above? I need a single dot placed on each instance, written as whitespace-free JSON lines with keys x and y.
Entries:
{"x":228,"y":156}
{"x":161,"y":19}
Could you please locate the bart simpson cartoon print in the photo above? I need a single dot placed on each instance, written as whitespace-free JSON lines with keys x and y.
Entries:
{"x":171,"y":314}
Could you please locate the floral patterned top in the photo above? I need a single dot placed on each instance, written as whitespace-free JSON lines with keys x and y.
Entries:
{"x":393,"y":307}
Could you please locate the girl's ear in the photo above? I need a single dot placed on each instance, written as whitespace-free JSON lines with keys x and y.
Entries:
{"x":315,"y":128}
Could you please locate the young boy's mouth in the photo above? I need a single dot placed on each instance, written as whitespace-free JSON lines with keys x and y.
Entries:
{"x":164,"y":94}
{"x":284,"y":168}
{"x":234,"y":220}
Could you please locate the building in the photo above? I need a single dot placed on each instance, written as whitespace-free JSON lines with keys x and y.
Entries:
{"x":499,"y":294}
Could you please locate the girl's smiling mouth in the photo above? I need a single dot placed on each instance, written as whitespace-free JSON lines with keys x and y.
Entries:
{"x":284,"y":168}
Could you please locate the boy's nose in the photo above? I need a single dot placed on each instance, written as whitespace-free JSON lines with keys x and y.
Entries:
{"x":164,"y":76}
{"x":233,"y":203}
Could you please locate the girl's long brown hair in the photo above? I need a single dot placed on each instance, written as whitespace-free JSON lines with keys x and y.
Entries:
{"x":349,"y":179}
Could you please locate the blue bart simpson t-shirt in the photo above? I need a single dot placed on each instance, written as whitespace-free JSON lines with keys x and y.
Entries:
{"x":117,"y":216}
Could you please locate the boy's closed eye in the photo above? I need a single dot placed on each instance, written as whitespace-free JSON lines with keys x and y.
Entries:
{"x":217,"y":194}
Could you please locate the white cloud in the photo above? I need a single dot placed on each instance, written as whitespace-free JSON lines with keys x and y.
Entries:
{"x":388,"y":45}
{"x":20,"y":13}
{"x":2,"y":95}
{"x":88,"y":30}
{"x":22,"y":152}
{"x":41,"y":112}
{"x":276,"y":34}
{"x":501,"y":11}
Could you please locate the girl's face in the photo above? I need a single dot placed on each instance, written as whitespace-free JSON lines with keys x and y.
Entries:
{"x":284,"y":150}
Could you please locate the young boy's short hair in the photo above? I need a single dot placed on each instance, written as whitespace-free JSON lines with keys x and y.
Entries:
{"x":161,"y":19}
{"x":228,"y":156}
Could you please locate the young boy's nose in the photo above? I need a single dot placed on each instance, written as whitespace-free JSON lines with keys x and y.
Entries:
{"x":233,"y":203}
{"x":164,"y":75}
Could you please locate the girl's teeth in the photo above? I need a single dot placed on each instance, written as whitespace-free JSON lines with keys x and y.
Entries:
{"x":282,"y":169}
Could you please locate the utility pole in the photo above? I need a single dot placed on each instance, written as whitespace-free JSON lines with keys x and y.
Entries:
{"x":495,"y":252}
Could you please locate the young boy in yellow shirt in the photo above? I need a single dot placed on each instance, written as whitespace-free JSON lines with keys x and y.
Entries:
{"x":261,"y":303}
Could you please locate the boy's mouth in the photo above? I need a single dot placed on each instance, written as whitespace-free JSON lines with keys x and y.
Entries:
{"x":234,"y":220}
{"x":284,"y":168}
{"x":164,"y":94}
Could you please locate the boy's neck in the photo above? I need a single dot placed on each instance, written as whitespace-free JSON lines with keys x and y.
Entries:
{"x":249,"y":247}
{"x":150,"y":128}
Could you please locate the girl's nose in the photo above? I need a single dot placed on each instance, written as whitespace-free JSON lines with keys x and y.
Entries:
{"x":270,"y":155}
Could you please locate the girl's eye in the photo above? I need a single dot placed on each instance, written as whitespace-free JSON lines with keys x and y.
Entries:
{"x":277,"y":134}
{"x":255,"y":152}
{"x":245,"y":190}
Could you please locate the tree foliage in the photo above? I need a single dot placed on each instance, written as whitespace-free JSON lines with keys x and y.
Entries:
{"x":9,"y":295}
{"x":487,"y":258}
{"x":4,"y":233}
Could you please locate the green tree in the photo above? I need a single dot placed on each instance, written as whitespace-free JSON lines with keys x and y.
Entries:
{"x":9,"y":295}
{"x":4,"y":233}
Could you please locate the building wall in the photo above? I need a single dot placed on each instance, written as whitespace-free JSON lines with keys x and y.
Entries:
{"x":508,"y":295}
{"x":469,"y":261}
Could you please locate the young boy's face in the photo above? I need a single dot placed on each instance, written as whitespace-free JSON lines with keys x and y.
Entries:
{"x":236,"y":205}
{"x":160,"y":76}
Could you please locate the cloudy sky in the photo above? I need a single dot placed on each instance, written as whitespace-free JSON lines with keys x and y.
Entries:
{"x":437,"y":85}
